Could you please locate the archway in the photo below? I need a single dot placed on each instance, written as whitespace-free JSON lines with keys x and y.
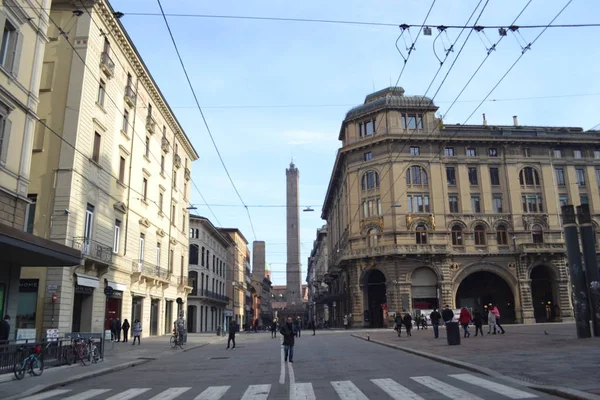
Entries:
{"x":375,"y":296}
{"x":542,"y":294}
{"x":483,"y":287}
{"x":424,"y":288}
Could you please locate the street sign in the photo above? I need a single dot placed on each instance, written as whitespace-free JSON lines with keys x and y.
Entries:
{"x":108,"y":290}
{"x":52,"y":288}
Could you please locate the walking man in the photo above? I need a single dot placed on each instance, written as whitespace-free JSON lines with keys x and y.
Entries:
{"x":298,"y":327}
{"x":273,"y":329}
{"x":233,"y":328}
{"x":435,"y":317}
{"x":288,"y":331}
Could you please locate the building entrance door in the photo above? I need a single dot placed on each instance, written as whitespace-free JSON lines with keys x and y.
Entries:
{"x":154,"y":304}
{"x":376,"y":297}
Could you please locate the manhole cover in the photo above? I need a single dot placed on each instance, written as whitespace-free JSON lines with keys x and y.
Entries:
{"x":218,"y":358}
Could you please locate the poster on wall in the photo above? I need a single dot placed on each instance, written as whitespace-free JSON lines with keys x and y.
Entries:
{"x":25,"y":335}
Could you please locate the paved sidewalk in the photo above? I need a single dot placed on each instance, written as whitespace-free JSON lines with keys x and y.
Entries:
{"x":117,"y":356}
{"x":542,"y":354}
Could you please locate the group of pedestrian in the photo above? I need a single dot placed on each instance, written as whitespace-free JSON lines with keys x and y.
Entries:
{"x":405,"y":320}
{"x":116,"y":327}
{"x":465,"y":318}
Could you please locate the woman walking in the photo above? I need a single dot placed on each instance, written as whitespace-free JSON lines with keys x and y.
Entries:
{"x":465,"y":320}
{"x":137,"y":331}
{"x":125,"y":328}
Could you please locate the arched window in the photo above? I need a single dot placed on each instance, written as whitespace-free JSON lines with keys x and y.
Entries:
{"x":370,"y":180}
{"x":537,"y":234}
{"x":501,"y":235}
{"x":529,"y":177}
{"x":372,"y":237}
{"x":416,"y":175}
{"x":421,"y":234}
{"x":194,"y":254}
{"x":457,"y":235}
{"x":480,"y":235}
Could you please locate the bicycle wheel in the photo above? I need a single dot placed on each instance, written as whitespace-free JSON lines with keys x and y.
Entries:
{"x":69,"y":355}
{"x":83,"y":355}
{"x":36,"y":365}
{"x":173,"y":341}
{"x":19,"y":369}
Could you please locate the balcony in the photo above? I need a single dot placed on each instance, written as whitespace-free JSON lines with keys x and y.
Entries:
{"x":209,"y":295}
{"x":164,"y":144}
{"x":542,"y":247}
{"x":150,"y":124}
{"x":93,"y":250}
{"x":107,"y":64}
{"x":187,"y":174}
{"x":145,"y":270}
{"x":177,"y":161}
{"x":130,"y":96}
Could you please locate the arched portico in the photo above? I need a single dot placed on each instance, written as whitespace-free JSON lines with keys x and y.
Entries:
{"x":544,"y":293}
{"x":374,"y":294}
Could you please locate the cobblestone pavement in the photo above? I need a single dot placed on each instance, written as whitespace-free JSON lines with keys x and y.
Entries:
{"x":547,"y":354}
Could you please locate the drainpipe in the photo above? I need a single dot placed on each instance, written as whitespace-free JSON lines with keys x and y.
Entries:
{"x":130,"y":167}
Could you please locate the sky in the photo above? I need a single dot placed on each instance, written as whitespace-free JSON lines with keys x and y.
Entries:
{"x":276,"y":90}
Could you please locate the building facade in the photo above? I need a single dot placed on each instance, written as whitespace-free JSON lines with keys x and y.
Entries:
{"x":261,"y":284}
{"x":209,"y":260}
{"x":23,"y":256}
{"x":111,"y":171}
{"x":238,"y":273}
{"x":319,"y":296}
{"x":420,"y":215}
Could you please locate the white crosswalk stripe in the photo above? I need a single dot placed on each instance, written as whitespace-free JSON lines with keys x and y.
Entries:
{"x":348,"y":391}
{"x":302,"y":391}
{"x":213,"y":393}
{"x":128,"y":394}
{"x":88,"y":394}
{"x":171,"y":393}
{"x":257,"y":392}
{"x":395,"y":390}
{"x":47,"y":395}
{"x":445,"y":389}
{"x":504,"y":390}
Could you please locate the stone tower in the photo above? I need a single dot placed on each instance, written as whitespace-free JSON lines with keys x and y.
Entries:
{"x":293,"y":272}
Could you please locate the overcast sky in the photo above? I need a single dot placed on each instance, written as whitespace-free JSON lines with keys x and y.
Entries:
{"x":273,"y":90}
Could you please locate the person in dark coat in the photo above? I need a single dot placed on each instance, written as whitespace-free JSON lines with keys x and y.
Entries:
{"x":125,"y":328}
{"x":118,"y":328}
{"x":478,"y":322}
{"x":288,"y":331}
{"x":447,"y":314}
{"x":273,"y":329}
{"x":407,"y":321}
{"x":112,"y":324}
{"x":4,"y":331}
{"x":233,"y":329}
{"x":435,"y":317}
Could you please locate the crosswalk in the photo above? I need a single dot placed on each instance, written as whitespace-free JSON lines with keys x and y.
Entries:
{"x":413,"y":388}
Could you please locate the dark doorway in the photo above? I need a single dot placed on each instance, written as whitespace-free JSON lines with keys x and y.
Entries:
{"x":482,"y":288}
{"x":542,"y":294}
{"x":154,"y":304}
{"x":191,"y":319}
{"x":376,"y":296}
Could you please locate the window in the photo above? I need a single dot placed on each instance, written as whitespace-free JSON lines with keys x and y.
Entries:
{"x":194,"y":254}
{"x":497,"y":203}
{"x":125,"y":126}
{"x":493,"y":152}
{"x":580,"y":173}
{"x":560,"y":176}
{"x":96,"y":150}
{"x":9,"y":53}
{"x":471,"y":152}
{"x":501,"y":235}
{"x":202,"y":259}
{"x":158,"y":248}
{"x":371,"y":208}
{"x":537,"y":234}
{"x":171,"y":260}
{"x":577,"y":154}
{"x":476,"y":204}
{"x":584,"y":199}
{"x":479,"y":235}
{"x":415,"y":150}
{"x":368,"y":156}
{"x":372,"y":239}
{"x":421,"y":234}
{"x":162,"y":164}
{"x":367,"y":128}
{"x":495,"y":176}
{"x":418,"y":203}
{"x":416,"y":175}
{"x":453,"y":203}
{"x":412,"y":121}
{"x":457,"y":235}
{"x":30,"y":213}
{"x":563,"y":199}
{"x":122,"y":162}
{"x":529,"y":177}
{"x":183,"y":222}
{"x":557,"y":153}
{"x":597,"y":154}
{"x":161,"y":200}
{"x":370,"y":180}
{"x":39,"y":136}
{"x":173,"y":215}
{"x":5,"y":125}
{"x":142,"y":245}
{"x":526,"y":152}
{"x":101,"y":93}
{"x":145,"y":189}
{"x":147,"y":147}
{"x":473,"y":176}
{"x":185,"y":190}
{"x":117,"y":238}
{"x":532,"y":203}
{"x":89,"y":223}
{"x":451,"y":175}
{"x":449,"y":151}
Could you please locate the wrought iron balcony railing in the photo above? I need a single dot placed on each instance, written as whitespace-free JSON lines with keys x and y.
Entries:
{"x":177,"y":161}
{"x":93,"y":250}
{"x":164,"y":144}
{"x":147,"y":269}
{"x":150,"y":124}
{"x":187,"y":174}
{"x":107,"y":64}
{"x":130,"y":96}
{"x":208,"y":294}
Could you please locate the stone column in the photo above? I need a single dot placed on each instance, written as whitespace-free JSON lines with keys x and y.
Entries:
{"x":446,"y":295}
{"x":525,"y":314}
{"x":564,"y":300}
{"x":404,"y":291}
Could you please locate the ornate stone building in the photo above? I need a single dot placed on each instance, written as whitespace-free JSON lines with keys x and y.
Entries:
{"x":421,"y":214}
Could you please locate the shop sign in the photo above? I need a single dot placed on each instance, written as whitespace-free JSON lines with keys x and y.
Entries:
{"x":115,"y":294}
{"x":84,"y":289}
{"x":28,"y":285}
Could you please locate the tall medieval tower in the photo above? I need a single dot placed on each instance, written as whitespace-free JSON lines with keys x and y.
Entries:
{"x":293,"y":272}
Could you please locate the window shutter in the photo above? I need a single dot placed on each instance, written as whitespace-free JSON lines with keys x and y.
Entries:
{"x":17,"y":55}
{"x":5,"y":141}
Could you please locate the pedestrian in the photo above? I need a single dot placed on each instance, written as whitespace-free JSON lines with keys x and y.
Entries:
{"x":118,"y":328}
{"x":447,"y":314}
{"x":233,"y":328}
{"x":137,"y":331}
{"x":273,"y":329}
{"x":345,"y":322}
{"x":435,"y":317}
{"x":497,"y":313}
{"x":423,"y":321}
{"x":4,"y":332}
{"x":125,"y":328}
{"x":179,"y":326}
{"x":314,"y":327}
{"x":288,"y":331}
{"x":407,"y":320}
{"x":112,"y":325}
{"x":398,"y":322}
{"x":478,"y":322}
{"x":298,"y":326}
{"x":465,"y":320}
{"x":491,"y":319}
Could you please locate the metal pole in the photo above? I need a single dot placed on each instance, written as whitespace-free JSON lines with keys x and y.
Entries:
{"x":591,"y":263}
{"x":578,"y":282}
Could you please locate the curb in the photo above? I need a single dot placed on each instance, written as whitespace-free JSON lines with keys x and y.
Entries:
{"x":563,"y":392}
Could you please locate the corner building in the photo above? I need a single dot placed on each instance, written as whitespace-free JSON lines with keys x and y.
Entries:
{"x":110,"y":175}
{"x":420,"y":215}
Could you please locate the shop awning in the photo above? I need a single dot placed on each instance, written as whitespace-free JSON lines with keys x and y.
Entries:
{"x":121,"y":287}
{"x":26,"y":250}
{"x":89,"y":281}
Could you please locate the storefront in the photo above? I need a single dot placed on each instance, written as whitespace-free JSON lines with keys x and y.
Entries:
{"x":137,"y":305}
{"x":83,"y":302}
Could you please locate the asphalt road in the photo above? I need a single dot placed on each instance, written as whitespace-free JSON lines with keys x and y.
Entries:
{"x":326,"y":366}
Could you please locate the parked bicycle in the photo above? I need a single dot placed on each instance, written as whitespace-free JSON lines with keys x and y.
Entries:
{"x":78,"y":350}
{"x":93,"y":351}
{"x":33,"y":363}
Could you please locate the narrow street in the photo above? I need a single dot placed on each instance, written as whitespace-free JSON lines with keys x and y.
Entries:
{"x":330,"y":365}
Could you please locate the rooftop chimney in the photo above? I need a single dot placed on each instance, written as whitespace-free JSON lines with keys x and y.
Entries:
{"x":515,"y":120}
{"x":484,"y":120}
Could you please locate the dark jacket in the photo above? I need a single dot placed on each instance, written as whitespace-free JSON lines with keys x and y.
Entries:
{"x":126,"y":325}
{"x":288,"y":331}
{"x":447,"y":315}
{"x":233,"y":328}
{"x":4,"y":330}
{"x":435,"y":317}
{"x":477,"y":319}
{"x":407,"y":320}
